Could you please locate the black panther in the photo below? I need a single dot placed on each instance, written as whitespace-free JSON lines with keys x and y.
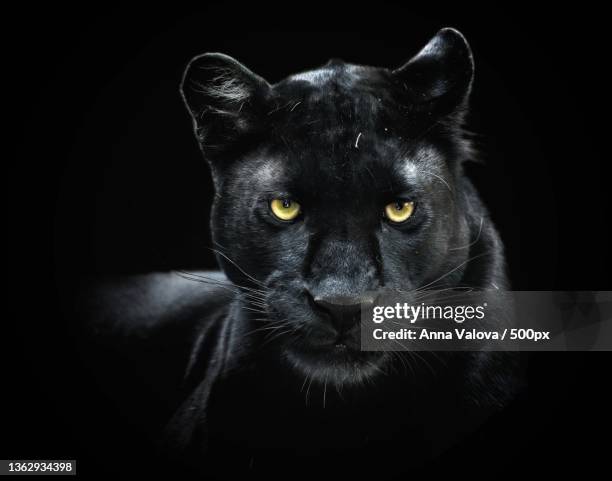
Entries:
{"x":330,"y":184}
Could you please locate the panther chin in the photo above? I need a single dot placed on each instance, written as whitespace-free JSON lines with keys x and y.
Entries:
{"x":340,"y":362}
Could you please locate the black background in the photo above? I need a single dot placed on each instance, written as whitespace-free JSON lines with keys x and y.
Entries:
{"x":106,"y":178}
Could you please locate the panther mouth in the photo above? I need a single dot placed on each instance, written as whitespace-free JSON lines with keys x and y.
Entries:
{"x":347,"y":343}
{"x":318,"y":349}
{"x":339,"y":360}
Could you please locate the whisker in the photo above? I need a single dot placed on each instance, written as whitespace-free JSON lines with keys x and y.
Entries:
{"x":225,"y":256}
{"x":308,"y":388}
{"x":192,"y":276}
{"x":324,"y":390}
{"x":473,"y":242}
{"x":213,"y":282}
{"x":453,"y":270}
{"x":439,"y":177}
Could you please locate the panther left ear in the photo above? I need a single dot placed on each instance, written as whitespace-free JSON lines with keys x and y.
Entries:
{"x":224,"y":98}
{"x":438,"y":78}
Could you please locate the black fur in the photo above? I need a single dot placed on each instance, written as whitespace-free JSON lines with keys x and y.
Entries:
{"x":343,"y":140}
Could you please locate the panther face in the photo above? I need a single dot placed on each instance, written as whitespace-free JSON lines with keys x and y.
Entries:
{"x":331,"y":185}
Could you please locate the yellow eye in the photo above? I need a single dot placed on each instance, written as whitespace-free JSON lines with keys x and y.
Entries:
{"x":399,"y":211}
{"x":285,"y":209}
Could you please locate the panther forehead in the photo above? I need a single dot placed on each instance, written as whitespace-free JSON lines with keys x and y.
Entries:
{"x":332,"y":111}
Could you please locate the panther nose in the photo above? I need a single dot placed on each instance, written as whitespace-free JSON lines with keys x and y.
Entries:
{"x":345,"y":311}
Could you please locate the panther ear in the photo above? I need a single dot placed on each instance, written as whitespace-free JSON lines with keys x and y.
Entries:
{"x":224,"y":99}
{"x":438,"y":78}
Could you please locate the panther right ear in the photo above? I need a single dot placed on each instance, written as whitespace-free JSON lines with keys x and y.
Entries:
{"x":225,"y":99}
{"x":438,"y":79}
